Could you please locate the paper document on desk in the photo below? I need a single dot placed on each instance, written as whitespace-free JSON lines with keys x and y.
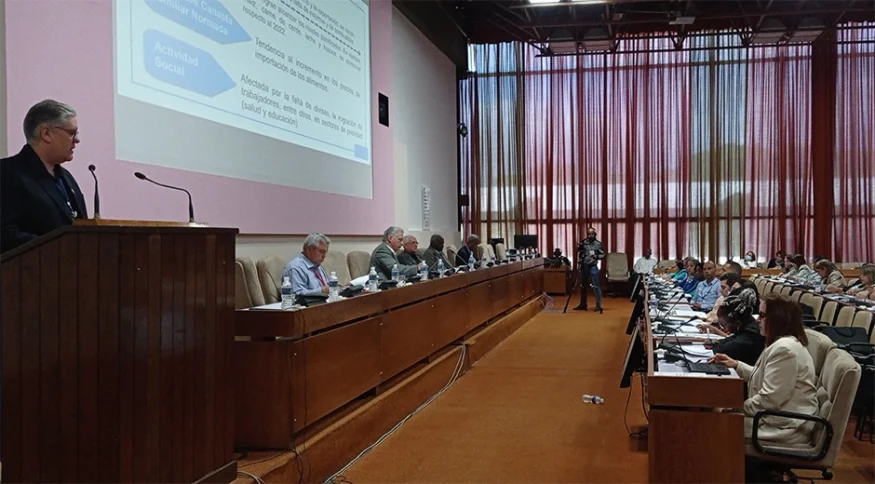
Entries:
{"x":684,"y":313}
{"x":272,"y":306}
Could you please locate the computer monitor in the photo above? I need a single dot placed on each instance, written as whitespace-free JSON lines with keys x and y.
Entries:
{"x":637,"y":311}
{"x":495,"y":241}
{"x":525,"y":241}
{"x":634,"y":359}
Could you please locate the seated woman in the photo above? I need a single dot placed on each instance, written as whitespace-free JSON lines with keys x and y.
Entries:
{"x":783,"y":376}
{"x":743,"y":341}
{"x":800,"y":271}
{"x":830,"y":276}
{"x":867,"y":279}
{"x":750,"y":260}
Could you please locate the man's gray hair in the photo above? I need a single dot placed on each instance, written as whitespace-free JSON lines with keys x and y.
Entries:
{"x":408,"y":238}
{"x":316,"y":239}
{"x":392,"y":231}
{"x":49,"y":112}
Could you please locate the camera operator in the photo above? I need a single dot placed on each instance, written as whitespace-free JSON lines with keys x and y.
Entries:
{"x":590,"y":253}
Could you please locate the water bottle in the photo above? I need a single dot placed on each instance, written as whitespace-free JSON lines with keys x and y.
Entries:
{"x":423,"y":272}
{"x":484,"y":262}
{"x":332,"y":286}
{"x":471,"y":262}
{"x":287,"y":296}
{"x":440,"y":268}
{"x":372,"y":280}
{"x":395,"y":272}
{"x":594,"y":399}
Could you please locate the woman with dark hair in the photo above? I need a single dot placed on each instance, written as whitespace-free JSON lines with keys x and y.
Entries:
{"x":830,"y":276}
{"x":750,"y":260}
{"x":743,"y":341}
{"x":783,"y":376}
{"x":799,"y":269}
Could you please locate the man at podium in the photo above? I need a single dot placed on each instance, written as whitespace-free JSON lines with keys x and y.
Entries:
{"x":37,"y":195}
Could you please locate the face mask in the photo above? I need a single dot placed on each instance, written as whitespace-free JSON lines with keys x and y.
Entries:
{"x":748,"y":258}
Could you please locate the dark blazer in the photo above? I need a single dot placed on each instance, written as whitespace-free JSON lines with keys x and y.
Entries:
{"x":383,"y":258}
{"x":30,"y":202}
{"x":745,"y":345}
{"x":462,"y":256}
{"x":408,"y":259}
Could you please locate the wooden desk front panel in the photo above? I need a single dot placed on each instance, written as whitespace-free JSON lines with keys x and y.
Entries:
{"x":297,"y":382}
{"x":695,"y":447}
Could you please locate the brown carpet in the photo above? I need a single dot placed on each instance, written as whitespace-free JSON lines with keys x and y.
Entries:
{"x":517,"y":415}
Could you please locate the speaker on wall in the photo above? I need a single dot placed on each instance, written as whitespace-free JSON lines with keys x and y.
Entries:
{"x":383,"y":108}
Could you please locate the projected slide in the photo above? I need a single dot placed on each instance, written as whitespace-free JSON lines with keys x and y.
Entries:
{"x":296,"y":71}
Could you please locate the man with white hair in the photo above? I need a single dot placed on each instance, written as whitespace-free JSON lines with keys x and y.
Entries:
{"x":306,"y":271}
{"x":37,"y":195}
{"x":384,"y":256}
{"x":409,"y":256}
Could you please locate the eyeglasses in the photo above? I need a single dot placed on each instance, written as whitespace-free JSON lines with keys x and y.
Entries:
{"x":74,"y":133}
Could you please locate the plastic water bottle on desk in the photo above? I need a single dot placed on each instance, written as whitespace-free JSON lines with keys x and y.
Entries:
{"x":423,"y":271}
{"x":395,"y":272}
{"x":595,"y":399}
{"x":287,"y":296}
{"x":471,"y":262}
{"x":440,"y":268}
{"x":372,"y":280}
{"x":332,"y":287}
{"x":484,"y":262}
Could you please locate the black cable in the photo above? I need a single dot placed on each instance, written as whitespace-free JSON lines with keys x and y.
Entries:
{"x":640,"y":433}
{"x":643,"y":403}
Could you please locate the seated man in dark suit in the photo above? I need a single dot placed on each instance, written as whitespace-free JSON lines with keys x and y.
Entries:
{"x":384,"y":257}
{"x":37,"y":195}
{"x":467,"y":250}
{"x":435,"y":252}
{"x":409,"y":256}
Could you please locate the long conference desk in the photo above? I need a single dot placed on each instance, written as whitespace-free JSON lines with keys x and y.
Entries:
{"x":690,"y":438}
{"x":293,"y":368}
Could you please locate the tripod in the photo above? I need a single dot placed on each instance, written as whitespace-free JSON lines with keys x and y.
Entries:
{"x":578,"y":282}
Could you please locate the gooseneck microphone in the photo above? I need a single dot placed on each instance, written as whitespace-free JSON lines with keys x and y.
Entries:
{"x":92,"y":168}
{"x":190,"y":205}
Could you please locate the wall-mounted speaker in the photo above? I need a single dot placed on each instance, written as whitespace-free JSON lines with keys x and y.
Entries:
{"x":383,"y":108}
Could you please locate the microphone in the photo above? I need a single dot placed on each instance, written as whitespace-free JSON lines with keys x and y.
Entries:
{"x":190,"y":205}
{"x":91,"y":168}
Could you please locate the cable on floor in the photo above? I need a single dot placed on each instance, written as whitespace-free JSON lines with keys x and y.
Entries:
{"x":334,"y":479}
{"x":255,"y":478}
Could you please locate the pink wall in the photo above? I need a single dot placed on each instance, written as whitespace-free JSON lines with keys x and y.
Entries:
{"x":63,"y":49}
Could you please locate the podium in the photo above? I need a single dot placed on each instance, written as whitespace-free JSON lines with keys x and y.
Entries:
{"x":116,"y":352}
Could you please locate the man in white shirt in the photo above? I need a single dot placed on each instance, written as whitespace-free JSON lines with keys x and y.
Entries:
{"x":646,"y":264}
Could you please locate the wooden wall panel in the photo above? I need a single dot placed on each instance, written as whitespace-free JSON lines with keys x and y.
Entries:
{"x":406,"y":335}
{"x":116,"y":349}
{"x":450,"y":319}
{"x":340,"y":365}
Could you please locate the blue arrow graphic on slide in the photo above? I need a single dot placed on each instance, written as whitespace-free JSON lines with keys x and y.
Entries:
{"x":176,"y":62}
{"x":206,"y":17}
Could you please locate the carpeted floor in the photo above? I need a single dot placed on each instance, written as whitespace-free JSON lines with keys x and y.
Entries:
{"x":517,"y":416}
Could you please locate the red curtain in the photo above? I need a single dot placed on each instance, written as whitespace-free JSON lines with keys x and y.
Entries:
{"x":854,"y":164}
{"x":703,"y":152}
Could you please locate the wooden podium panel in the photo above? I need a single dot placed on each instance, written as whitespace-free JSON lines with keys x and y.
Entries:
{"x":115,"y":355}
{"x":556,"y":280}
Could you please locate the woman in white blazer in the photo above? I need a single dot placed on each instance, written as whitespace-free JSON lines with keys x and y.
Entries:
{"x":783,"y":377}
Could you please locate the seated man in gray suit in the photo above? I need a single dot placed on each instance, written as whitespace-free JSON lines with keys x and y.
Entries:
{"x":383,"y":257}
{"x":435,"y":252}
{"x":409,"y":256}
